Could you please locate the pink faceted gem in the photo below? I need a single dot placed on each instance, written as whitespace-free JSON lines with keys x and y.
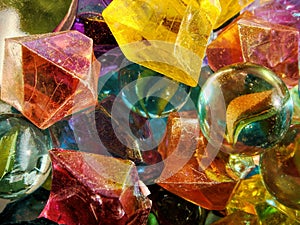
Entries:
{"x":271,"y":45}
{"x":49,"y":76}
{"x":94,"y":189}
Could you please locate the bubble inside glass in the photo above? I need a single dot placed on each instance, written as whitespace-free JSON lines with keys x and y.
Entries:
{"x":244,"y":108}
{"x":149,"y":93}
{"x":24,"y":164}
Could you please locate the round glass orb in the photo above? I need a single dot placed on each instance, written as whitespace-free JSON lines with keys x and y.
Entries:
{"x":244,"y":109}
{"x":280,"y":169}
{"x":149,"y":93}
{"x":24,"y":164}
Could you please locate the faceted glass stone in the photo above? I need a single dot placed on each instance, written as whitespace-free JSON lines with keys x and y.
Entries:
{"x":245,"y":109}
{"x":173,"y":210}
{"x":94,"y":189}
{"x":229,"y":9}
{"x":149,"y":93}
{"x":191,"y":171}
{"x":272,"y":45}
{"x":283,"y":163}
{"x":238,"y":218}
{"x":51,"y":75}
{"x":252,"y":197}
{"x":285,"y":12}
{"x":24,"y":164}
{"x":226,"y":48}
{"x":93,"y":25}
{"x":169,"y":37}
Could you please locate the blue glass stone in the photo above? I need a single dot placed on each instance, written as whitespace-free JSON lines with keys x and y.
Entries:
{"x":24,"y":164}
{"x":245,"y":109}
{"x":149,"y":93}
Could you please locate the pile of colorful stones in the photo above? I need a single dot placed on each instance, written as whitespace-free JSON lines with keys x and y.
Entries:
{"x":153,"y":112}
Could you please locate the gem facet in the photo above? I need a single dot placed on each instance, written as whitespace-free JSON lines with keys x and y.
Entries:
{"x":94,"y":189}
{"x":51,"y":75}
{"x":169,"y":37}
{"x":246,"y":104}
{"x":191,"y":171}
{"x":271,"y":45}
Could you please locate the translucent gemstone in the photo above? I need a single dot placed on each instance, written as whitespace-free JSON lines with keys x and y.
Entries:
{"x":149,"y":93}
{"x":284,"y":165}
{"x":94,"y":189}
{"x":226,"y":49}
{"x":246,"y":108}
{"x":272,"y":45}
{"x":285,"y":12}
{"x":252,"y":197}
{"x":230,"y":9}
{"x":169,"y":37}
{"x":24,"y":164}
{"x":93,"y":25}
{"x":173,"y":210}
{"x":238,"y":218}
{"x":51,"y":74}
{"x":191,"y":171}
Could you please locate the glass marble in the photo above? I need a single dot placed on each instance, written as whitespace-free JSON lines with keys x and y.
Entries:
{"x":51,"y":75}
{"x":24,"y":164}
{"x":283,"y":162}
{"x":149,"y":93}
{"x":246,"y":108}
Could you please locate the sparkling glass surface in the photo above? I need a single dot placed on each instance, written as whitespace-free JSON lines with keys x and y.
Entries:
{"x":247,"y":105}
{"x":51,"y":75}
{"x":149,"y":93}
{"x":24,"y":164}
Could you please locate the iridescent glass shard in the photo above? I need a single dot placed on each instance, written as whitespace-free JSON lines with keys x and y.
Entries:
{"x":51,"y":75}
{"x":94,"y":189}
{"x":272,"y":45}
{"x":170,"y":39}
{"x":191,"y":171}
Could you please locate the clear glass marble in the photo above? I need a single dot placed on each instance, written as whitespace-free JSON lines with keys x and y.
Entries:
{"x":149,"y":93}
{"x":24,"y":160}
{"x":244,"y":108}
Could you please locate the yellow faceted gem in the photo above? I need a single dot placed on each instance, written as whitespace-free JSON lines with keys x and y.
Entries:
{"x":167,"y":36}
{"x":229,"y":9}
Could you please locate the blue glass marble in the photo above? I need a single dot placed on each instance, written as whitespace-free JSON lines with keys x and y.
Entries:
{"x":149,"y":93}
{"x":24,"y":160}
{"x":245,"y":109}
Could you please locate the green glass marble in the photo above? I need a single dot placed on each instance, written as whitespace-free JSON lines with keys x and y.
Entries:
{"x":245,"y":109}
{"x":149,"y":93}
{"x":24,"y":161}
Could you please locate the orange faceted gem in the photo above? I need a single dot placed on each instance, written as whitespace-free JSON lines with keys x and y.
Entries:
{"x":188,"y":172}
{"x":49,"y":76}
